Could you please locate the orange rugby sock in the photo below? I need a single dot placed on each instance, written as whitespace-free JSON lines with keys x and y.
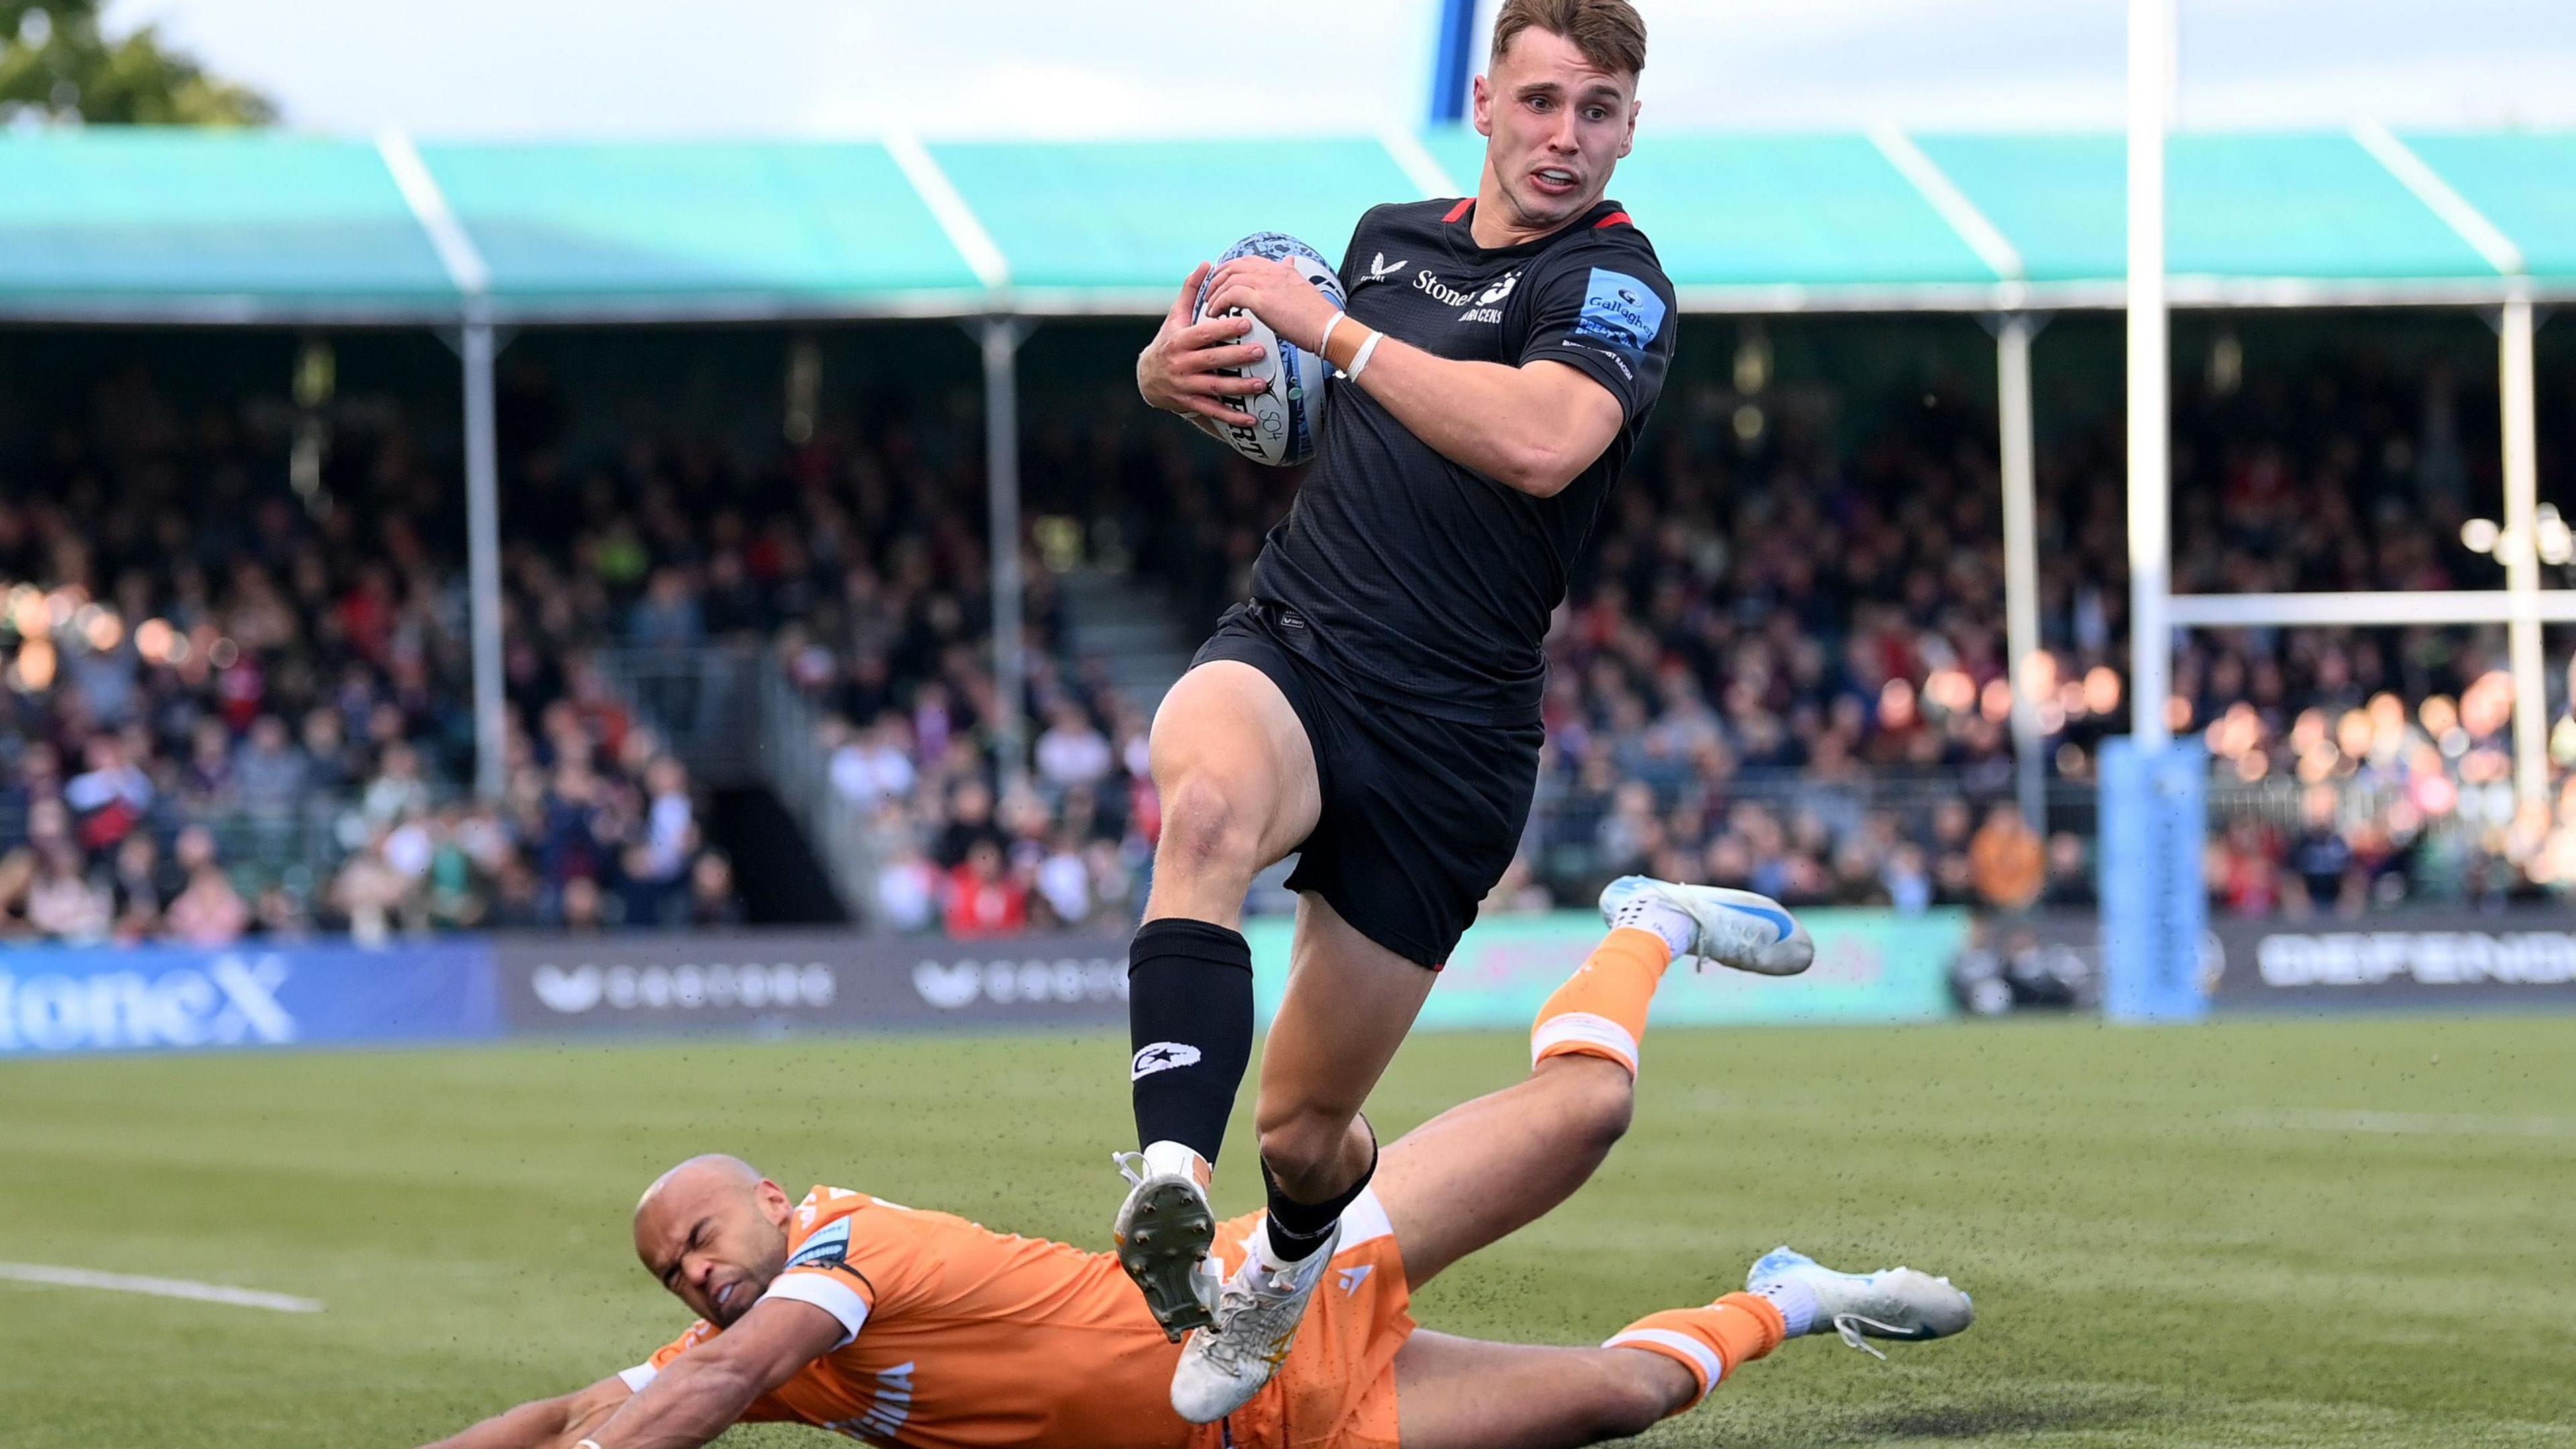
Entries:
{"x":1600,"y":1011}
{"x":1711,"y":1342}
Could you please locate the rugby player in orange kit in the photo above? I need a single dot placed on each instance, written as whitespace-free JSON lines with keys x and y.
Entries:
{"x":906,"y":1327}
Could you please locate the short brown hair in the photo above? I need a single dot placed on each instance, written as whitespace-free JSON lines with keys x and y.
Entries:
{"x":1610,"y":33}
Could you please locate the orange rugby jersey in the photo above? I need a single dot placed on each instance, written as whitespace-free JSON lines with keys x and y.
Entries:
{"x":963,"y":1338}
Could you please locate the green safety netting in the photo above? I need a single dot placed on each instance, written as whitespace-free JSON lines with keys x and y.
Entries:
{"x":265,"y":226}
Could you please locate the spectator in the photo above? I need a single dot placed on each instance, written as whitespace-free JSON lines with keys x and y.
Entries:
{"x":712,"y":901}
{"x":907,"y":888}
{"x":143,"y":887}
{"x":2070,"y":874}
{"x":1072,"y":752}
{"x":982,"y":899}
{"x":870,"y":766}
{"x":62,"y":902}
{"x":2007,"y":861}
{"x":2324,"y":868}
{"x":1062,"y":882}
{"x":108,"y":800}
{"x":209,"y":912}
{"x":369,"y":893}
{"x":269,"y":773}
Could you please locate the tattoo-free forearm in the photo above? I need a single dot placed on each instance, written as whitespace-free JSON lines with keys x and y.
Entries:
{"x":696,"y":1398}
{"x":1528,"y":428}
{"x":539,"y":1425}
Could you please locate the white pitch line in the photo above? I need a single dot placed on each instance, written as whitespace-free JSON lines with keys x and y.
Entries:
{"x":2439,"y":1124}
{"x":157,"y":1287}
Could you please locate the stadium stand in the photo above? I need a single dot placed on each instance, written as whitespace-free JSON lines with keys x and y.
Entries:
{"x":235,"y":704}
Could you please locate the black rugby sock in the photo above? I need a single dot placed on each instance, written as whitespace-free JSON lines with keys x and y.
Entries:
{"x":1297,"y":1229}
{"x":1189,"y":1018}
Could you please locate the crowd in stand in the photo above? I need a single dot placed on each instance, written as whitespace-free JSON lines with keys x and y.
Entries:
{"x":236,"y":705}
{"x":233,"y":707}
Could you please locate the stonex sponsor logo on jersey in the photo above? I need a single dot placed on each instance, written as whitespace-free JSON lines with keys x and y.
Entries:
{"x":1440,"y":291}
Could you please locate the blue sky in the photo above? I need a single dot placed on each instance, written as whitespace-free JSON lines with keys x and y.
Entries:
{"x":1166,"y":67}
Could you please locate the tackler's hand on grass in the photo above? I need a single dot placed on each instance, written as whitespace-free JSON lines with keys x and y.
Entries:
{"x":1189,"y":367}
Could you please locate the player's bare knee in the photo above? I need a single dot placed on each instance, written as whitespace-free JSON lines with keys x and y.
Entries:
{"x":1604,"y":1104}
{"x":1630,"y":1402}
{"x":1207,"y":834}
{"x":1598,"y":1097}
{"x":1303,"y":1145}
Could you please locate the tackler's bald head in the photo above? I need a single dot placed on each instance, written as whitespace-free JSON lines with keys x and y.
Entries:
{"x":706,"y":1170}
{"x":714,"y":1231}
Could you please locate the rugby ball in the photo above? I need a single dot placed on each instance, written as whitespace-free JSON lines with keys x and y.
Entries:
{"x":1287,"y":413}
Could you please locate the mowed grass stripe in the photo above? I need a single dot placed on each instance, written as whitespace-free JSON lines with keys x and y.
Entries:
{"x":2160,"y":1252}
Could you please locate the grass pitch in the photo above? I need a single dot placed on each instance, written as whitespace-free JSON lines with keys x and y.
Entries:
{"x":2348,"y":1232}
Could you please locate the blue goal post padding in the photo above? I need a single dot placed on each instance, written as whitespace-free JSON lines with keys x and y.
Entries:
{"x":2155,"y":907}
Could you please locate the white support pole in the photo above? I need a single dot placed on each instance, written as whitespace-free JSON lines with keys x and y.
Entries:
{"x":2151,"y":65}
{"x":1001,"y":339}
{"x":2521,"y":547}
{"x":483,"y":559}
{"x":2021,"y":561}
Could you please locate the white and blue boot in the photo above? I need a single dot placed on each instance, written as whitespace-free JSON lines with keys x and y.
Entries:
{"x":1892,"y":1303}
{"x":1741,"y":929}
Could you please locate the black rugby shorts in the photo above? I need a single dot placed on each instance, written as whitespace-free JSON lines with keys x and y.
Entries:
{"x":1421,"y":815}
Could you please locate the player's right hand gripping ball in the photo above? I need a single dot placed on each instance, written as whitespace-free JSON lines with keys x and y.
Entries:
{"x":1287,"y":414}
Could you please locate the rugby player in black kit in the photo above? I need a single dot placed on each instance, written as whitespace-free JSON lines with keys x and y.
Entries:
{"x":1374,"y":707}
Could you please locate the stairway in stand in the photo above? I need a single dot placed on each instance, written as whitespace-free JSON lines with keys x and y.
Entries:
{"x":1130,"y":627}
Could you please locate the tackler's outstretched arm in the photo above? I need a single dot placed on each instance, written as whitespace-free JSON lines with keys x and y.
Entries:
{"x":554,"y":1423}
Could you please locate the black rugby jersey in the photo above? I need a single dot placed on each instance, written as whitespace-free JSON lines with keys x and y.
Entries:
{"x":1411,"y":579}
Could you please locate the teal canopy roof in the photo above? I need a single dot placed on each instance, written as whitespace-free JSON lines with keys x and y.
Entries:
{"x":145,"y":224}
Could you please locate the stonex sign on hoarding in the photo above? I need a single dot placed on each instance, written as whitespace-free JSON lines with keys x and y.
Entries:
{"x":87,"y":999}
{"x":822,"y":981}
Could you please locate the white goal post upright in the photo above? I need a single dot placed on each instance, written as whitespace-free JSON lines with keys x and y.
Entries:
{"x":2151,"y":79}
{"x":2520,"y":545}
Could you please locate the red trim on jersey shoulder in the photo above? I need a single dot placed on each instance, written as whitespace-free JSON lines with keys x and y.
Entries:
{"x":1616,"y":218}
{"x":1459,"y":210}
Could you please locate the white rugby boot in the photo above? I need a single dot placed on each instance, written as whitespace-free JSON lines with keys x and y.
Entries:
{"x":1895,"y":1303}
{"x":1735,"y":928}
{"x":1223,"y":1366}
{"x":1164,"y":1232}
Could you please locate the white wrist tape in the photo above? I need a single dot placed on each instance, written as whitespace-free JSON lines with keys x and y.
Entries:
{"x":1324,"y":344}
{"x":1361,"y":361}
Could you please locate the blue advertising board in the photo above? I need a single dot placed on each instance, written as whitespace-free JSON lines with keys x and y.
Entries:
{"x":91,"y":999}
